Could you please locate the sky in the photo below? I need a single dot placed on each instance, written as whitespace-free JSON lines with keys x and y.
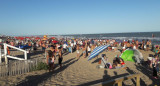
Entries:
{"x":57,"y":17}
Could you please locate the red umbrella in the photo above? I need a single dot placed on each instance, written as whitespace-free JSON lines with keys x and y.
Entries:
{"x":54,"y":41}
{"x":27,"y":37}
{"x":52,"y":37}
{"x":21,"y":38}
{"x":16,"y":37}
{"x":37,"y":38}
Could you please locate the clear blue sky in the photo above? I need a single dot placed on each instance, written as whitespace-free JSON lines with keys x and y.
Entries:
{"x":38,"y":17}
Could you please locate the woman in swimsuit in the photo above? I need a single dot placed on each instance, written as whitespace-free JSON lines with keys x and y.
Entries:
{"x":51,"y":58}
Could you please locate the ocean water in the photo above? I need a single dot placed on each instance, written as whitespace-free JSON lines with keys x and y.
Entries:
{"x":122,"y":36}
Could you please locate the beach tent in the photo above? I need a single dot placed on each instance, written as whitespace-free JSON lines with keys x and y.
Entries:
{"x":97,"y":50}
{"x":132,"y":55}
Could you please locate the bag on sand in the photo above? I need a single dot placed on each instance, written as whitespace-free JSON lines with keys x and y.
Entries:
{"x":109,"y":65}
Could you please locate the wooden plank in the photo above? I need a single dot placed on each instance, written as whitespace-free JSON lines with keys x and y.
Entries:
{"x":5,"y":70}
{"x":8,"y":68}
{"x":28,"y":66}
{"x":11,"y":66}
{"x":7,"y":45}
{"x":14,"y":57}
{"x":138,"y":80}
{"x":120,"y":83}
{"x":23,"y":68}
{"x":20,"y":67}
{"x":5,"y":53}
{"x":15,"y":68}
{"x":120,"y":80}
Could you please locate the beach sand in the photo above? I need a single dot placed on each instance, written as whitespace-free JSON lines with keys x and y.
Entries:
{"x":82,"y":72}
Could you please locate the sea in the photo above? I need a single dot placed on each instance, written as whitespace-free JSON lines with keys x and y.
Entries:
{"x":153,"y":36}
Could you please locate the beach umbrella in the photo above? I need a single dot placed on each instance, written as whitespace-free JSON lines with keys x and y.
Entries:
{"x":37,"y":38}
{"x":97,"y":50}
{"x":54,"y":41}
{"x":52,"y":37}
{"x":19,"y":38}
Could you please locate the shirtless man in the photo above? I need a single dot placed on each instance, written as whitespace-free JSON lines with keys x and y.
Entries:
{"x":43,"y":47}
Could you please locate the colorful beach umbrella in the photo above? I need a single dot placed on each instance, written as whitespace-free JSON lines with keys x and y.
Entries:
{"x":97,"y":50}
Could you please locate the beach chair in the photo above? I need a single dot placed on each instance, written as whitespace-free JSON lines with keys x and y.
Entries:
{"x":104,"y":63}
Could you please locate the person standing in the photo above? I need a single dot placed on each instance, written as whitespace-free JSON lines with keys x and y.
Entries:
{"x":43,"y":47}
{"x":84,"y":50}
{"x":60,"y":57}
{"x":154,"y":66}
{"x":89,"y":49}
{"x":51,"y":58}
{"x":78,"y":53}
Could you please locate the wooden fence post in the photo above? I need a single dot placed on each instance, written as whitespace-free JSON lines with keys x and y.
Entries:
{"x":120,"y":83}
{"x":138,"y":80}
{"x":5,"y":53}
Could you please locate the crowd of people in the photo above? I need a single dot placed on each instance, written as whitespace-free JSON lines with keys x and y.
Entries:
{"x":60,"y":47}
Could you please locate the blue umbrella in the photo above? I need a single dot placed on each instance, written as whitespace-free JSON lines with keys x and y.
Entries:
{"x":97,"y":50}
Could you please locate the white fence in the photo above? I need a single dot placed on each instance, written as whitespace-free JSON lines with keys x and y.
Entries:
{"x":8,"y":56}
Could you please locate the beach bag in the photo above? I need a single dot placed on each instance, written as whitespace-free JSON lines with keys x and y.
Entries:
{"x":107,"y":65}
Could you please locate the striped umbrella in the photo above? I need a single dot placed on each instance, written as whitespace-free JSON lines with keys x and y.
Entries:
{"x":97,"y":50}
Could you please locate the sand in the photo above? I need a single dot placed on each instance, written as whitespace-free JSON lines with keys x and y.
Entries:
{"x":82,"y":72}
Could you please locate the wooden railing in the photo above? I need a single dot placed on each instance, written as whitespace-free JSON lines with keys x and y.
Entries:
{"x":119,"y":81}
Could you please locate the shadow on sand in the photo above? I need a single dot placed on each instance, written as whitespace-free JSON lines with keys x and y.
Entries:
{"x":105,"y":78}
{"x":37,"y":79}
{"x":96,"y":61}
{"x":148,"y":73}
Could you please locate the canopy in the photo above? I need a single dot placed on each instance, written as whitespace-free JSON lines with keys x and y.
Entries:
{"x":97,"y":50}
{"x":132,"y":55}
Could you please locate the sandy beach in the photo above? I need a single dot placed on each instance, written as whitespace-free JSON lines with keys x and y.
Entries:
{"x":82,"y":72}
